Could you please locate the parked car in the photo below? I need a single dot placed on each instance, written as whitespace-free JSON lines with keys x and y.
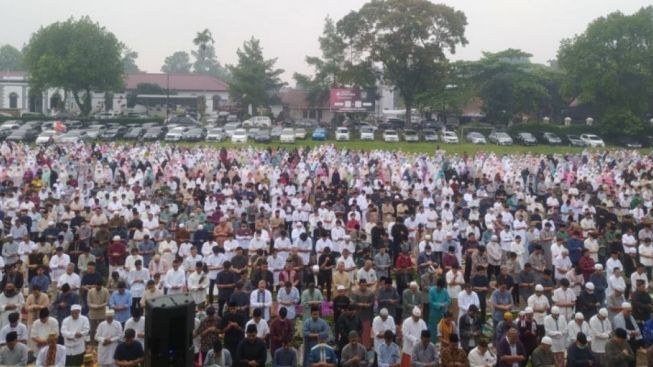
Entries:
{"x":576,"y":141}
{"x":258,"y":121}
{"x":430,"y":135}
{"x":215,"y":134}
{"x":593,"y":141}
{"x":263,"y":136}
{"x":252,"y":132}
{"x":319,"y":134}
{"x":230,"y":127}
{"x":307,"y":123}
{"x":366,"y":133}
{"x":110,"y":134}
{"x":500,"y":138}
{"x":275,"y":132}
{"x":134,"y":133}
{"x":287,"y":135}
{"x":551,"y":138}
{"x":526,"y":138}
{"x":195,"y":134}
{"x":411,"y":135}
{"x":239,"y":136}
{"x":22,"y":135}
{"x":390,"y":136}
{"x":475,"y":137}
{"x":628,"y":142}
{"x":449,"y":137}
{"x":47,"y":137}
{"x":342,"y":133}
{"x":71,"y":137}
{"x":154,"y":133}
{"x":176,"y":133}
{"x":300,"y":133}
{"x":182,"y":120}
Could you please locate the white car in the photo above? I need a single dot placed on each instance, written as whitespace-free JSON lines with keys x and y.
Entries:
{"x":342,"y":133}
{"x":500,"y":138}
{"x":390,"y":136}
{"x":230,"y":127}
{"x":258,"y":121}
{"x":215,"y":134}
{"x":411,"y":135}
{"x":367,"y":133}
{"x":475,"y":137}
{"x":449,"y":137}
{"x":592,"y":141}
{"x":287,"y":135}
{"x":47,"y":136}
{"x":239,"y":136}
{"x":300,"y":133}
{"x":176,"y":134}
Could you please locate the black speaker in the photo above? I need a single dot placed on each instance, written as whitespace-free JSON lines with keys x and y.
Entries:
{"x":169,"y":327}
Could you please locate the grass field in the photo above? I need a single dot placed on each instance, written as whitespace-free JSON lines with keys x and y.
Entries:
{"x":420,"y":147}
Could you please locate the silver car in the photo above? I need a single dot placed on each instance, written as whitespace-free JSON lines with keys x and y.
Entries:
{"x":475,"y":137}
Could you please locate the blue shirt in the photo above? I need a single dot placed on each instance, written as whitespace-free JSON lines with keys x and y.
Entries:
{"x":499,"y":298}
{"x":323,"y":352}
{"x":41,"y":281}
{"x":124,"y":299}
{"x":388,"y":354}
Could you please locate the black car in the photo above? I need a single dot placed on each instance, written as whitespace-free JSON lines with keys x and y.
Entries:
{"x":154,"y":133}
{"x":134,"y":133}
{"x":628,"y":142}
{"x":194,"y":134}
{"x":110,"y":134}
{"x":22,"y":135}
{"x":263,"y":136}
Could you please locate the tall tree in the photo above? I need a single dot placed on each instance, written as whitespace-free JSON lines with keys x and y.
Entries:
{"x":129,"y":57}
{"x":332,"y":69}
{"x":610,"y":66}
{"x":11,"y":58}
{"x":178,"y":62}
{"x":206,"y":61}
{"x":255,"y":80}
{"x":79,"y":56}
{"x":408,"y":38}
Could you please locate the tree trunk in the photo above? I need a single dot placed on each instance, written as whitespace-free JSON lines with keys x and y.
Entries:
{"x":83,"y":103}
{"x":409,"y":112}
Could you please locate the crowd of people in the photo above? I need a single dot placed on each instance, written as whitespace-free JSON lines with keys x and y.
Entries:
{"x":326,"y":257}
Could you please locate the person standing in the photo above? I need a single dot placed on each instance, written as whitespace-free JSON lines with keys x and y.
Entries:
{"x":75,"y":331}
{"x":13,"y":353}
{"x":542,"y":355}
{"x":438,"y":305}
{"x":97,"y":300}
{"x":353,"y":354}
{"x":121,"y":303}
{"x":52,"y":354}
{"x":129,"y":352}
{"x":411,"y":330}
{"x":315,"y":329}
{"x":364,"y":299}
{"x":600,"y":329}
{"x":261,"y":298}
{"x":285,"y":356}
{"x":175,"y":278}
{"x":232,"y":327}
{"x":137,"y":279}
{"x":322,"y":355}
{"x":380,"y":326}
{"x":137,"y":323}
{"x":107,"y":336}
{"x":618,"y":352}
{"x":510,"y":350}
{"x":555,"y":327}
{"x":251,"y":350}
{"x":281,"y":328}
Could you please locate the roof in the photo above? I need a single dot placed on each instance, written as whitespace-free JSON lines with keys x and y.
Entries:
{"x":13,"y":75}
{"x":179,"y":82}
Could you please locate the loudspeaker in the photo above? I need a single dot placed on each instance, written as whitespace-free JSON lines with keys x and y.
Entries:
{"x":169,"y":327}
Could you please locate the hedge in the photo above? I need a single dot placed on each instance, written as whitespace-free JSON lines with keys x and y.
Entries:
{"x":86,"y":119}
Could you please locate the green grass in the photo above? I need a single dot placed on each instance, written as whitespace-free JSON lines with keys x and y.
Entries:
{"x":419,"y":147}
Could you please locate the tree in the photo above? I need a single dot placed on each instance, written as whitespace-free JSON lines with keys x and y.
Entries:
{"x":79,"y":56}
{"x":205,"y":60}
{"x":610,"y":66}
{"x":255,"y":81}
{"x":179,"y":62}
{"x":11,"y":59}
{"x":129,"y":60}
{"x":512,"y":87}
{"x":408,"y":38}
{"x":331,"y":69}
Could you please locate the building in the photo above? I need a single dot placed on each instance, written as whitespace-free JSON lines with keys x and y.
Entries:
{"x":181,"y":91}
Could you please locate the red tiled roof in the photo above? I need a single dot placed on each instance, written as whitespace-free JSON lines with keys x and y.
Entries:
{"x":179,"y":82}
{"x":4,"y":74}
{"x":296,"y":99}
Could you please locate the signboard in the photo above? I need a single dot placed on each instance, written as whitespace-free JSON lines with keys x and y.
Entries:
{"x":351,"y":100}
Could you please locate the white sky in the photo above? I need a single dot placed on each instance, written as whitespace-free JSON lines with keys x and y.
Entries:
{"x":289,"y":29}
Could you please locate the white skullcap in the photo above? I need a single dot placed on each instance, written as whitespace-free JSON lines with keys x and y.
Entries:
{"x":116,"y":238}
{"x":316,"y":268}
{"x":110,"y":312}
{"x":598,"y":267}
{"x":383,"y":312}
{"x":417,"y":312}
{"x":626,"y":305}
{"x":75,"y":308}
{"x":340,"y":287}
{"x":579,"y":316}
{"x":528,"y":310}
{"x":603,"y":312}
{"x":539,"y":288}
{"x":546,"y":340}
{"x":555,"y":310}
{"x":589,"y":286}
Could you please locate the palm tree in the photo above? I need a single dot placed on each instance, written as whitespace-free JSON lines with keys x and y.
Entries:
{"x":203,"y":38}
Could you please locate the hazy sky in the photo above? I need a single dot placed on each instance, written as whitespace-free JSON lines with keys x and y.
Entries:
{"x":288,"y":29}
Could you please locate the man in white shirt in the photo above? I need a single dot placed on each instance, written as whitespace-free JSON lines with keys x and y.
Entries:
{"x":575,"y":326}
{"x":540,"y":305}
{"x":175,"y":279}
{"x":562,"y":264}
{"x":380,"y":325}
{"x":75,"y":331}
{"x":411,"y":330}
{"x":646,"y":255}
{"x":616,"y":281}
{"x":41,"y":328}
{"x":59,"y":263}
{"x":262,"y":328}
{"x":137,"y":279}
{"x":481,"y":356}
{"x":600,"y":329}
{"x":555,"y":327}
{"x":261,"y":298}
{"x":137,"y":323}
{"x":466,"y":298}
{"x":565,"y":299}
{"x":108,"y":335}
{"x":16,"y":326}
{"x":639,"y":274}
{"x":59,"y":352}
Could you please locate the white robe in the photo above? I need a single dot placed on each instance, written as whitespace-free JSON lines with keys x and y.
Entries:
{"x":69,"y":327}
{"x":600,"y":331}
{"x":107,"y":331}
{"x":557,"y":331}
{"x":197,"y":285}
{"x":138,"y":327}
{"x":18,"y":300}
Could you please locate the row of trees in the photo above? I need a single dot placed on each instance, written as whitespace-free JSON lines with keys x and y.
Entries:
{"x":401,"y":43}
